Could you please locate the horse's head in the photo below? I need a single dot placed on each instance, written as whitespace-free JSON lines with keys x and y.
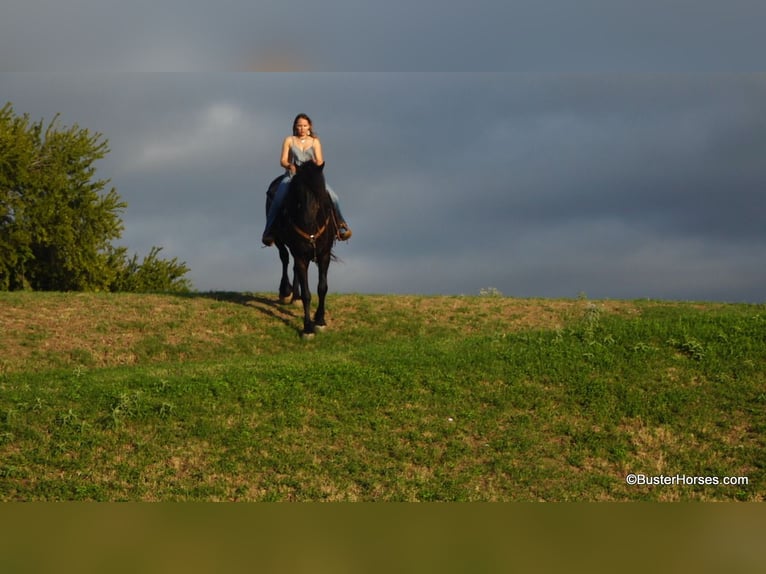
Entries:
{"x":311,"y":176}
{"x":308,"y":190}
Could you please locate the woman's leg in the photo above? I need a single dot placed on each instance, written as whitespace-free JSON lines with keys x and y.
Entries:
{"x":345,"y":230}
{"x":275,"y":209}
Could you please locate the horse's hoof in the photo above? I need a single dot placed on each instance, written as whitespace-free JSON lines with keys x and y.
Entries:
{"x":320,"y":328}
{"x":296,"y":302}
{"x":307,"y":336}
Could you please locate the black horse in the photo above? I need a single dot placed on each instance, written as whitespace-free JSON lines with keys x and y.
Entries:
{"x":308,"y":227}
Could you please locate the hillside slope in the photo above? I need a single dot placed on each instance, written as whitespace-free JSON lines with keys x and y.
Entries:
{"x":403,"y":398}
{"x":49,"y":330}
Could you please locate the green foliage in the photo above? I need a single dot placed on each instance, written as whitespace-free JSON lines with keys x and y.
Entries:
{"x":57,"y":220}
{"x":152,"y":275}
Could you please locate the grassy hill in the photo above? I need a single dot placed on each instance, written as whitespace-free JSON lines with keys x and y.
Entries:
{"x":215,"y":397}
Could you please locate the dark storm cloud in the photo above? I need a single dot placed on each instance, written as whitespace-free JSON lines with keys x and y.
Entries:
{"x":602,"y":36}
{"x":619,"y":185}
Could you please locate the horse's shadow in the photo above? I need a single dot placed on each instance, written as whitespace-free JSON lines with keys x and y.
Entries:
{"x":270,"y":307}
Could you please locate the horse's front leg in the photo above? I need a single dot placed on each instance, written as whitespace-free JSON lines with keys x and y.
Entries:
{"x":285,"y":287}
{"x":322,"y":287}
{"x":296,"y":288}
{"x":302,"y":278}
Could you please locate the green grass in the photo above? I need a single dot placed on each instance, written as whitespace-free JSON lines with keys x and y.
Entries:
{"x":215,"y":397}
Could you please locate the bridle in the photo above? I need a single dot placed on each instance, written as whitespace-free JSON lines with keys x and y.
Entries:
{"x":312,"y":238}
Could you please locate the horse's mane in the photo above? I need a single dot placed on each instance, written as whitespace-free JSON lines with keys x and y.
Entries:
{"x":310,"y":177}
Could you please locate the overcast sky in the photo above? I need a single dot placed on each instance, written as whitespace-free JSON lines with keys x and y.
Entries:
{"x":621,"y":156}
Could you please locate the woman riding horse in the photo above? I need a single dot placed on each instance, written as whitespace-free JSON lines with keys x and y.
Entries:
{"x":297,"y":149}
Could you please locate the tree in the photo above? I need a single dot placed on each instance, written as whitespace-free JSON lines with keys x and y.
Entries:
{"x":56,"y":221}
{"x":151,"y":275}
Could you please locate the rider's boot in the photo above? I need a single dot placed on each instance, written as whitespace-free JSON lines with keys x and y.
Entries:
{"x":344,"y":231}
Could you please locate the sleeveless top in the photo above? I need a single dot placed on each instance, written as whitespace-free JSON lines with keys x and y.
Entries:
{"x":300,"y":156}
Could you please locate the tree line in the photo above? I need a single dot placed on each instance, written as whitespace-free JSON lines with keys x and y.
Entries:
{"x":58,"y":219}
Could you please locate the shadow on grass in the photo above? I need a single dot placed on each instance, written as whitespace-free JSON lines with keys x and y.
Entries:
{"x":270,"y":307}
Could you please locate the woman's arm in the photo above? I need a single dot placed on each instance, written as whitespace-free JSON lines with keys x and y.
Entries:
{"x":285,"y":160}
{"x":318,"y":157}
